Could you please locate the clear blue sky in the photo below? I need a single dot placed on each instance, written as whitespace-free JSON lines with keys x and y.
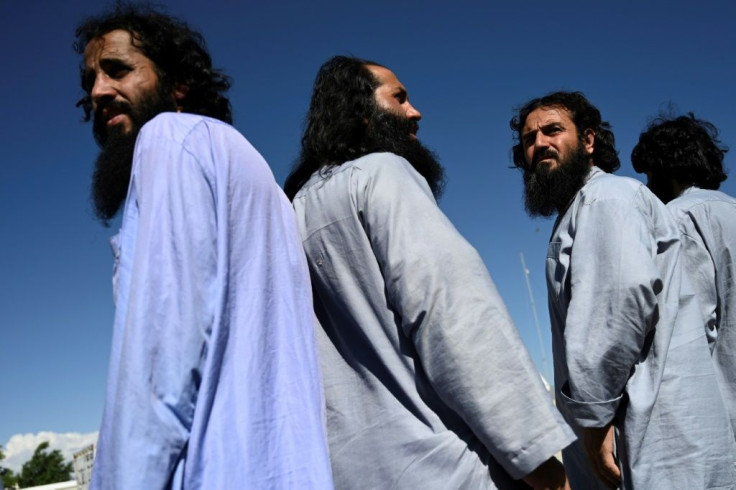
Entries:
{"x":466,"y":65}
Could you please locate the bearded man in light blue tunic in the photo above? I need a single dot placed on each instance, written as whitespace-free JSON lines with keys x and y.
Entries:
{"x":427,"y":382}
{"x":213,"y":379}
{"x":683,"y":160}
{"x":633,"y":374}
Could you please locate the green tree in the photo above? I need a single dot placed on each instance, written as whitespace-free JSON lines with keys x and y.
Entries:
{"x":44,"y":467}
{"x":6,"y":474}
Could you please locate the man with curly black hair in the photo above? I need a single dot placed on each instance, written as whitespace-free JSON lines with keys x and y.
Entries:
{"x":427,"y":382}
{"x":683,"y":160}
{"x":633,"y":374}
{"x":213,"y":378}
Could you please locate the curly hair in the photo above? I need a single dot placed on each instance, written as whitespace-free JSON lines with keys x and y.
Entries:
{"x":585,"y":116}
{"x":179,"y":54}
{"x":684,"y":148}
{"x":342,"y":102}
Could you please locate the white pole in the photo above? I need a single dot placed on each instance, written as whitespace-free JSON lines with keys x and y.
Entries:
{"x":536,"y":318}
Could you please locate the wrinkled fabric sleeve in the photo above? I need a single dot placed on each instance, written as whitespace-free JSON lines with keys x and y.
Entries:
{"x":701,"y":271}
{"x":164,"y":316}
{"x":450,"y":308}
{"x":613,"y":305}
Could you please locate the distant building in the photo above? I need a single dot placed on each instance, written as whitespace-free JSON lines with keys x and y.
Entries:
{"x":83,"y":461}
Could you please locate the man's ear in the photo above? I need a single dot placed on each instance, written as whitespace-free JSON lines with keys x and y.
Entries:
{"x":589,"y":141}
{"x":180,"y":92}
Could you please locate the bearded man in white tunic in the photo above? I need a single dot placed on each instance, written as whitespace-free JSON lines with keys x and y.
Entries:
{"x":213,"y":381}
{"x":633,"y":374}
{"x":427,"y":382}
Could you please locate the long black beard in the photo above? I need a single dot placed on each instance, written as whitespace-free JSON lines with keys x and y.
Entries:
{"x":549,"y":191}
{"x":390,"y":132}
{"x":111,"y":175}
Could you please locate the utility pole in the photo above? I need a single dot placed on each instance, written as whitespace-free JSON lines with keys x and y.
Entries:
{"x":542,"y":348}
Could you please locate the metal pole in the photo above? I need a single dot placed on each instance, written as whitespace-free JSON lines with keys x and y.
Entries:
{"x":536,"y":318}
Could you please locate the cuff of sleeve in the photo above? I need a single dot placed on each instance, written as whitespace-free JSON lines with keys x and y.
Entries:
{"x":540,"y":451}
{"x":588,"y":414}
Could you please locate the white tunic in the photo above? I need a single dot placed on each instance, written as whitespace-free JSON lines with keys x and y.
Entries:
{"x":628,"y":342}
{"x":707,"y":220}
{"x":213,"y":381}
{"x":427,"y":383}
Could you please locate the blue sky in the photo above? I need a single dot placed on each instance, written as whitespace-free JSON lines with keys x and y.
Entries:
{"x":466,"y":65}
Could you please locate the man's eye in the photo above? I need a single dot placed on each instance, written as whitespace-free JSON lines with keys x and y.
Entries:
{"x":115,"y":69}
{"x":118,"y":72}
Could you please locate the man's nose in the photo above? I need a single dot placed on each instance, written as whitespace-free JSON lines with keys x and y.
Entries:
{"x":412,"y":113}
{"x":102,"y":89}
{"x":541,"y":140}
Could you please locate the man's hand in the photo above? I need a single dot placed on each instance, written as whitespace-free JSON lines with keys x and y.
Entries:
{"x":550,"y":475}
{"x":598,"y":444}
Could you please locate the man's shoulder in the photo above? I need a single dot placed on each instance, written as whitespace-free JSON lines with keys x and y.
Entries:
{"x":695,"y":196}
{"x":177,"y":126}
{"x":381,"y":171}
{"x":603,"y":186}
{"x":383,"y":165}
{"x":211,"y":143}
{"x":388,"y":172}
{"x":372,"y":165}
{"x":620,"y":202}
{"x":605,"y":182}
{"x":608,"y":191}
{"x":373,"y":162}
{"x":697,"y":204}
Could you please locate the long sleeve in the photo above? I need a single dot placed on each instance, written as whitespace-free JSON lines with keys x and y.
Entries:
{"x":613,"y":306}
{"x":449,"y":307}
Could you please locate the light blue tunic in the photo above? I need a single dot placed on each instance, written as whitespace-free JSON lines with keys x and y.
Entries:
{"x":213,"y":377}
{"x":428,"y":385}
{"x":707,"y":220}
{"x":628,"y":342}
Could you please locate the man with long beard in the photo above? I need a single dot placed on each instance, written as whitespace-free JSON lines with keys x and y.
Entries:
{"x":213,"y":379}
{"x":632,"y":370}
{"x":426,"y":380}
